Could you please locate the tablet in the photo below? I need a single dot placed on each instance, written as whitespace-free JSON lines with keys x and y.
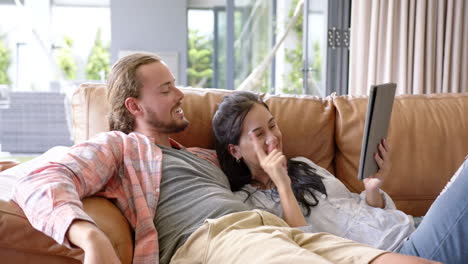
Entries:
{"x":379,"y":111}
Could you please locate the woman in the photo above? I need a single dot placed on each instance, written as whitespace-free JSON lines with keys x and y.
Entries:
{"x":249,"y":147}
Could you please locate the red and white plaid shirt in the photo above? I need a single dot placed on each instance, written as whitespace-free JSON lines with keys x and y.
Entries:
{"x":114,"y":165}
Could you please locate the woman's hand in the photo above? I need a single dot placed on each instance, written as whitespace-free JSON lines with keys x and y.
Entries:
{"x":273,"y":163}
{"x":373,"y":183}
{"x":382,"y":158}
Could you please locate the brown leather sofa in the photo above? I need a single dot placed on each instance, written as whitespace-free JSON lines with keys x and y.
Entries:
{"x":428,"y":136}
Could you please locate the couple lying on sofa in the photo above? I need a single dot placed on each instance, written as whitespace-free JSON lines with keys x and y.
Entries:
{"x":180,"y":203}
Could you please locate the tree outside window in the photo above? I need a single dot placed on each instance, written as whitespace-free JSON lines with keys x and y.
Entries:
{"x":5,"y":61}
{"x":98,"y":66}
{"x":200,"y":67}
{"x":65,"y":59}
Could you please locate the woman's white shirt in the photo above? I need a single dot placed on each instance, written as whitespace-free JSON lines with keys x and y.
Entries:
{"x":342,"y":213}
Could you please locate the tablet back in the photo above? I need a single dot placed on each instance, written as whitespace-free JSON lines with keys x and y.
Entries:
{"x":379,"y":111}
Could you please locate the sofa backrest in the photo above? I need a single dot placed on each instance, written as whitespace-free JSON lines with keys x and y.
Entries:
{"x":427,"y":134}
{"x":307,"y":122}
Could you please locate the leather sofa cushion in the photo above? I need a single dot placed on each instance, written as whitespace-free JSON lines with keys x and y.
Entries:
{"x":89,"y":106}
{"x":24,"y":242}
{"x":23,"y":238}
{"x":422,"y":129}
{"x":308,"y":127}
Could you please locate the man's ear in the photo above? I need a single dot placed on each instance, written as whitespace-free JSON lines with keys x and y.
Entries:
{"x":235,"y":151}
{"x":132,"y":105}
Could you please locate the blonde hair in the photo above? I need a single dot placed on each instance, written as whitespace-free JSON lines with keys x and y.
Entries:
{"x":124,"y":82}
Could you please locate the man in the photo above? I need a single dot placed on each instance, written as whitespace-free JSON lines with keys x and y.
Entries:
{"x":159,"y":185}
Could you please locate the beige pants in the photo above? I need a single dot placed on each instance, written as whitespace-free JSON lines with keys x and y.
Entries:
{"x":260,"y":237}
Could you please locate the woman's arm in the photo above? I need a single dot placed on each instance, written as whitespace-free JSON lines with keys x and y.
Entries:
{"x":274,"y":164}
{"x":292,"y":212}
{"x":374,"y":198}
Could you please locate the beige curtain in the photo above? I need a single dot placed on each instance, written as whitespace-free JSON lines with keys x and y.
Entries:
{"x":422,"y":45}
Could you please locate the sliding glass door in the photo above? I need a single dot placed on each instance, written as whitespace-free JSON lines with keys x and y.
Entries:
{"x":310,"y":58}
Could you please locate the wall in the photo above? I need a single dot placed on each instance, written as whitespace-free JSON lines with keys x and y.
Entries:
{"x":153,"y":26}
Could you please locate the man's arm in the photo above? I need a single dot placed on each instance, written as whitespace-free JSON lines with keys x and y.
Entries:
{"x":125,"y":167}
{"x":51,"y":196}
{"x":97,"y":247}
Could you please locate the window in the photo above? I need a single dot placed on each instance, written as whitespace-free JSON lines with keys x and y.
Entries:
{"x":49,"y":44}
{"x":52,"y":46}
{"x":81,"y":46}
{"x":244,"y":35}
{"x":315,"y":47}
{"x":254,"y":35}
{"x":200,"y":48}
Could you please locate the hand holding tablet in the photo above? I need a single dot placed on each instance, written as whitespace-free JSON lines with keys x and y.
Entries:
{"x":379,"y":110}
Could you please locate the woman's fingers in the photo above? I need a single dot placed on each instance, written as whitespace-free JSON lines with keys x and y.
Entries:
{"x":267,"y":161}
{"x":272,"y":157}
{"x":386,"y":145}
{"x":379,"y":160}
{"x":384,"y":150}
{"x":280,"y":159}
{"x":257,"y":146}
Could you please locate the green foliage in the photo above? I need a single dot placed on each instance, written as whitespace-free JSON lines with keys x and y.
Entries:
{"x":317,"y":62}
{"x":5,"y":61}
{"x":298,"y":26}
{"x":294,"y":79}
{"x":254,"y":47}
{"x":65,"y":59}
{"x":98,"y":60}
{"x":262,"y":46}
{"x":200,"y":72}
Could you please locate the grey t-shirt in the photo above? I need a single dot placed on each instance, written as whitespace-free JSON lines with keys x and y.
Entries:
{"x":192,"y":190}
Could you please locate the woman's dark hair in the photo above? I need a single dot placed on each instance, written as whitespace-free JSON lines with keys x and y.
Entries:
{"x":227,"y":128}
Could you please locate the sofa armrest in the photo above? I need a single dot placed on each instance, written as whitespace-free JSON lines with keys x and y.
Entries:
{"x":20,"y":242}
{"x":7,"y":164}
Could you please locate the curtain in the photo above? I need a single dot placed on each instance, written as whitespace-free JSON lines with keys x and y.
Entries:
{"x":422,"y":45}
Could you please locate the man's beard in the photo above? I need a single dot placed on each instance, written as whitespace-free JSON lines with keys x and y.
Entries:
{"x":169,"y":128}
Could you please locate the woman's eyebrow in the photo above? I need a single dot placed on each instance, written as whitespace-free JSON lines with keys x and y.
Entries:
{"x":255,"y":129}
{"x":272,"y":120}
